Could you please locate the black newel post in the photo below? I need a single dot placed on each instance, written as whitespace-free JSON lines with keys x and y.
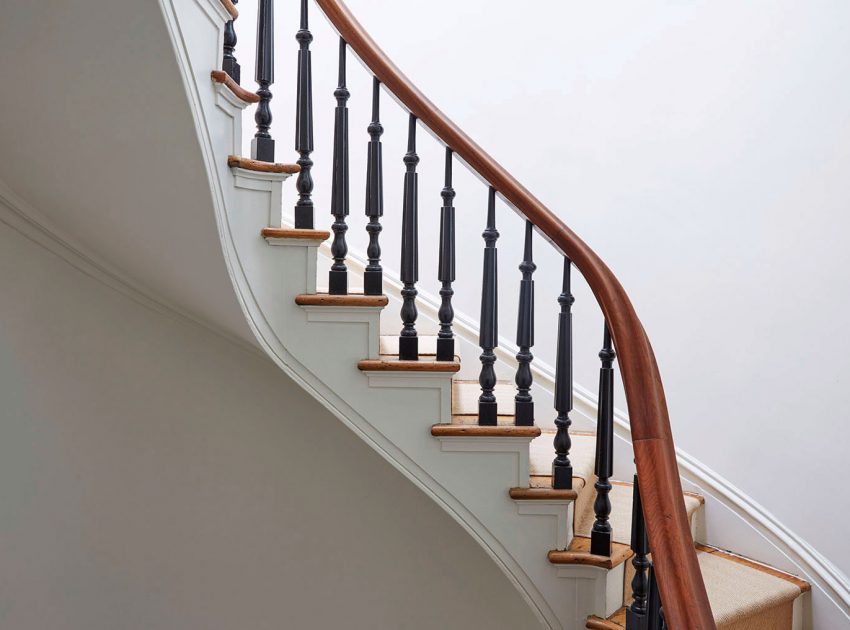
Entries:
{"x":408,"y":343}
{"x":523,"y":403}
{"x":489,"y":334}
{"x":304,"y":125}
{"x":562,"y":468}
{"x":229,"y":64}
{"x":373,"y":281}
{"x":338,"y":278}
{"x":637,"y":613}
{"x":262,"y":147}
{"x":601,"y":536}
{"x":446,"y":271}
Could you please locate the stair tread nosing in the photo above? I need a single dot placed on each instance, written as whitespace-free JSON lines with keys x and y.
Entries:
{"x":352,"y":299}
{"x":220,"y":76}
{"x":391,"y":363}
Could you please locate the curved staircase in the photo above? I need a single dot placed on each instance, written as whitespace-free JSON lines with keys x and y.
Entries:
{"x":542,"y":513}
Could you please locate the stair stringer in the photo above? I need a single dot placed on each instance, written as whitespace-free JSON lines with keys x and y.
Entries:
{"x":471,"y":482}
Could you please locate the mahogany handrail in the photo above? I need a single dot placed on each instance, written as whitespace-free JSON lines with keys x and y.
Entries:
{"x":686,"y":605}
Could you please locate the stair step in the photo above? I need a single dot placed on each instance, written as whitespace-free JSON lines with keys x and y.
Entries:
{"x":545,"y":493}
{"x":352,"y":299}
{"x":742,"y":593}
{"x":235,"y":161}
{"x":582,"y":454}
{"x":427,"y":344}
{"x":391,"y":363}
{"x":219,"y":76}
{"x":465,"y":397}
{"x":291,"y":234}
{"x":579,"y":553}
{"x":231,"y":9}
{"x":621,"y":511}
{"x":467,"y":426}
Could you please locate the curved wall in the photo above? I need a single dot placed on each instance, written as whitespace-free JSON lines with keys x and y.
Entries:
{"x":155,"y":475}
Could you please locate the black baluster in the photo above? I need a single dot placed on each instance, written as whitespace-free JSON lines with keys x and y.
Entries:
{"x":655,"y":613}
{"x":523,"y":402}
{"x":562,"y":468}
{"x":304,"y":125}
{"x":338,"y":278}
{"x":637,"y":613}
{"x":489,"y":334}
{"x":408,"y":343}
{"x":373,"y":281}
{"x":601,"y":536}
{"x":446,"y":272}
{"x":229,"y":64}
{"x":262,"y":147}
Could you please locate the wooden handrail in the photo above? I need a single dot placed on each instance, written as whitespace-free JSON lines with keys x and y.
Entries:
{"x":686,"y":605}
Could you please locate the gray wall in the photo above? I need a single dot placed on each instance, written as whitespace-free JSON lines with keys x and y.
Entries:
{"x":153,"y":475}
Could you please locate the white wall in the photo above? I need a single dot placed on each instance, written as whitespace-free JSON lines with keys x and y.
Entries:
{"x":154,"y":475}
{"x":700,"y":148}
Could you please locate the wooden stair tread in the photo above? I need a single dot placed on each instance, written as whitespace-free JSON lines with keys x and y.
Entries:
{"x":235,"y":161}
{"x":295,"y":234}
{"x":617,"y":621}
{"x":389,"y":363}
{"x":579,"y":553}
{"x":542,"y":494}
{"x":352,"y":299}
{"x":220,"y":76}
{"x":231,"y":8}
{"x":466,"y":429}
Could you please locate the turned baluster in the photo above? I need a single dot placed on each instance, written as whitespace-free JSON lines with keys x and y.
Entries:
{"x":373,"y":282}
{"x":262,"y":147}
{"x":229,"y":63}
{"x":338,"y":275}
{"x":655,"y":612}
{"x":523,"y":402}
{"x":408,"y":343}
{"x":304,"y":125}
{"x":489,"y":333}
{"x":601,"y":535}
{"x":637,"y":613}
{"x":446,"y":271}
{"x":562,"y":468}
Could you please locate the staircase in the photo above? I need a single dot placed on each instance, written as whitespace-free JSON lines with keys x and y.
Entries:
{"x":587,"y":545}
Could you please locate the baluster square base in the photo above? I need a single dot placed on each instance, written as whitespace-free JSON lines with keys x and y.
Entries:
{"x":601,"y":543}
{"x":524,"y":414}
{"x":373,"y":282}
{"x":304,"y":218}
{"x":262,"y":149}
{"x":408,"y":348}
{"x":487,"y":414}
{"x":233,"y":70}
{"x":445,"y":349}
{"x":635,"y":621}
{"x":338,"y":282}
{"x":562,"y":477}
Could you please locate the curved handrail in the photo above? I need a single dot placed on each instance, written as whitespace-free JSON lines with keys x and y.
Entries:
{"x":683,"y":592}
